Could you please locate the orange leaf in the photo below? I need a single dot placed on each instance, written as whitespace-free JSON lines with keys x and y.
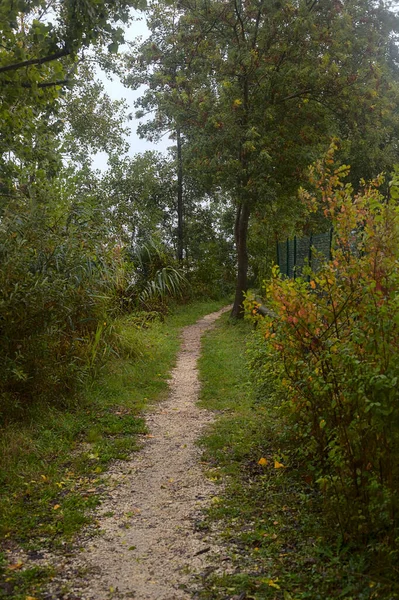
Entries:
{"x":56,"y":506}
{"x":263,"y":461}
{"x":278,"y":465}
{"x":15,"y":566}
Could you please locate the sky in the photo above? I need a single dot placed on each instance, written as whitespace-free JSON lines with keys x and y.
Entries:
{"x":117,"y":91}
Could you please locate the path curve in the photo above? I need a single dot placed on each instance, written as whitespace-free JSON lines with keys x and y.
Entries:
{"x":149,"y":545}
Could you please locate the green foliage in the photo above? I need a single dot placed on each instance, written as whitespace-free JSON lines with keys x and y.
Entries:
{"x":168,"y":282}
{"x":53,"y":302}
{"x":333,"y":350}
{"x":279,"y":543}
{"x":41,"y":40}
{"x":284,"y":79}
{"x":156,"y":276}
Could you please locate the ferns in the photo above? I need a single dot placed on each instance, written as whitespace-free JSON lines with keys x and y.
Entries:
{"x":168,"y":282}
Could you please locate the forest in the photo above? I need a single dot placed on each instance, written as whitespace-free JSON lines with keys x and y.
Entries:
{"x":282,"y":120}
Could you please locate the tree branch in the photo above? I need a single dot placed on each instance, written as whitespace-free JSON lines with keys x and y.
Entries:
{"x":35,"y":61}
{"x":296,"y":95}
{"x":45,"y":84}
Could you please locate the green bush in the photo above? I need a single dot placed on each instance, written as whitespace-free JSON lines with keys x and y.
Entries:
{"x":331,"y":357}
{"x":54,"y":295}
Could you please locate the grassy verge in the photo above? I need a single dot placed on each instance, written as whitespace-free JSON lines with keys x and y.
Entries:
{"x":269,"y":516}
{"x":52,"y":462}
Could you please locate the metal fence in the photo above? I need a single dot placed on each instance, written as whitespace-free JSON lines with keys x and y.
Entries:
{"x":293,"y":255}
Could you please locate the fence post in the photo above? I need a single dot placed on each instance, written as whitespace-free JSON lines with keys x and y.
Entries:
{"x":288,"y":258}
{"x":278,"y":253}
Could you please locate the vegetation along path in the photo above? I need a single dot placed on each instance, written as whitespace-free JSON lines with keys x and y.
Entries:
{"x":148,"y":544}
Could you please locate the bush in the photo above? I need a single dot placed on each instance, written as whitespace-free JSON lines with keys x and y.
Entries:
{"x":53,"y":302}
{"x":332,"y":354}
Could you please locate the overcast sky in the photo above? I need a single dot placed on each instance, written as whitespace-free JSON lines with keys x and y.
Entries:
{"x":116,"y":91}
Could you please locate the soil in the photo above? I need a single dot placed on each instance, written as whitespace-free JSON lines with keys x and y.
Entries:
{"x":150,"y":543}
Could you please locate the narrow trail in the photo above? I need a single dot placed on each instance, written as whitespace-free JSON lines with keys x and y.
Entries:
{"x":149,"y":545}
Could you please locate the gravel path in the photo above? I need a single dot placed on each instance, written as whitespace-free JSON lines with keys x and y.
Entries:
{"x":149,"y":545}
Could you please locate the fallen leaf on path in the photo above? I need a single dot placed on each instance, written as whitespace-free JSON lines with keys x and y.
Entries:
{"x":15,"y":566}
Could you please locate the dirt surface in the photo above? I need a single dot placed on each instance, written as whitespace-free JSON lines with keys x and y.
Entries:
{"x":150,"y":546}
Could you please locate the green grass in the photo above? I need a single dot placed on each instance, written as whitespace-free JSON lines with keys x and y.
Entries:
{"x":270,"y":519}
{"x":52,"y":461}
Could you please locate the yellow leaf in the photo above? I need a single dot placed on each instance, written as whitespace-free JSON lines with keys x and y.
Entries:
{"x":237,"y":102}
{"x":272,"y":583}
{"x":15,"y":566}
{"x":278,"y":465}
{"x":30,"y":598}
{"x":313,"y":285}
{"x":56,"y":506}
{"x":263,"y":461}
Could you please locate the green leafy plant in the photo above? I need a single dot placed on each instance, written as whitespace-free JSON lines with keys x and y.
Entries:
{"x":156,"y":278}
{"x":331,"y":353}
{"x":55,"y":293}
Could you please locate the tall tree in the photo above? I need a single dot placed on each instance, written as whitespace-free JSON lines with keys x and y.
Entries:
{"x":159,"y":63}
{"x":264,"y":86}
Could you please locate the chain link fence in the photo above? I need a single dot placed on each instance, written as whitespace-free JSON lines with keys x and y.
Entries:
{"x":293,"y":255}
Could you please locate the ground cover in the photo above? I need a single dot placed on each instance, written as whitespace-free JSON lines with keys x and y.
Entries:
{"x":52,"y":463}
{"x":268,"y":512}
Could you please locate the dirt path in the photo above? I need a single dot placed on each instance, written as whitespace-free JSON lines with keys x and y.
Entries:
{"x":149,"y":545}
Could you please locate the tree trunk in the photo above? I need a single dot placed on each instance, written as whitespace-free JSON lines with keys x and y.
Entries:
{"x":180,"y":224}
{"x":241,"y":232}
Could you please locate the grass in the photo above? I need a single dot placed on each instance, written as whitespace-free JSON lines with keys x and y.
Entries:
{"x":52,"y":463}
{"x":270,"y":517}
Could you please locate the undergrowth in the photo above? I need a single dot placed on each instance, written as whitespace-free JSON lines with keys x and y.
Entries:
{"x":269,"y":513}
{"x":53,"y":459}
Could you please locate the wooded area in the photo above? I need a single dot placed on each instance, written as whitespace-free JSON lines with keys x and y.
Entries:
{"x":264,"y":103}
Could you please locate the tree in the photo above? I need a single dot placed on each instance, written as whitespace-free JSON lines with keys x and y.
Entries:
{"x":141,"y":193}
{"x":264,"y":87}
{"x":54,"y":259}
{"x":159,"y":63}
{"x":41,"y":43}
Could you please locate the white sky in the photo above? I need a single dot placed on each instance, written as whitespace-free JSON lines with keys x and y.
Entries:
{"x":117,"y":91}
